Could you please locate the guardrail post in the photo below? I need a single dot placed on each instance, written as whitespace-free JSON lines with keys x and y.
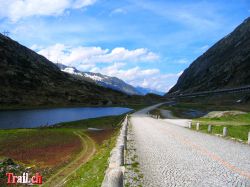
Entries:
{"x":127,"y":120}
{"x":190,"y":124}
{"x":126,"y":130}
{"x":197,"y":126}
{"x":209,"y":128}
{"x":248,"y":138}
{"x":125,"y":142}
{"x":224,"y":131}
{"x":121,"y":155}
{"x":115,"y":178}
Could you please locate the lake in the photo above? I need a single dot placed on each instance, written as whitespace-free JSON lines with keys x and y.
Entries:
{"x":36,"y":117}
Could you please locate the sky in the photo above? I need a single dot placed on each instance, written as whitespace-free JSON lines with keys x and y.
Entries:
{"x":146,"y":43}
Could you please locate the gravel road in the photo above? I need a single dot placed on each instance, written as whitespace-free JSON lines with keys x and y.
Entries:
{"x":171,"y":155}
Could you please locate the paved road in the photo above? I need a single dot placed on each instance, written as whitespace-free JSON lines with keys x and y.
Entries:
{"x":171,"y":155}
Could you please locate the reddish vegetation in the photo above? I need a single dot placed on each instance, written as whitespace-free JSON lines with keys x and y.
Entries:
{"x":100,"y":136}
{"x":42,"y":148}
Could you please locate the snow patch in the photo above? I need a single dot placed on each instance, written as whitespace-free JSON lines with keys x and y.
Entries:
{"x":71,"y":71}
{"x":94,"y":77}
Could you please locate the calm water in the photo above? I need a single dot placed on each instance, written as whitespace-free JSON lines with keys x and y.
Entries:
{"x":37,"y":117}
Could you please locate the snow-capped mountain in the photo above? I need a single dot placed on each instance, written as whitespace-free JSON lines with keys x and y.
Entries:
{"x":108,"y":82}
{"x":144,"y":91}
{"x":112,"y":82}
{"x":102,"y":80}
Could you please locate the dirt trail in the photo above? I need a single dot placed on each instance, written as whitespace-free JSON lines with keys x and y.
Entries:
{"x":88,"y":150}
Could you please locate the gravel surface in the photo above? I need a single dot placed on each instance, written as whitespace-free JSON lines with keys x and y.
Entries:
{"x":133,"y":176}
{"x":171,"y":155}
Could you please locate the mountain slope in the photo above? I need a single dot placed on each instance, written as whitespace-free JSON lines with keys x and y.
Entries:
{"x":108,"y":82}
{"x":225,"y":65}
{"x":102,"y":80}
{"x":27,"y":78}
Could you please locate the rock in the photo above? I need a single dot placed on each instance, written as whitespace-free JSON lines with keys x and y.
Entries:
{"x":224,"y":65}
{"x":27,"y":78}
{"x":218,"y":114}
{"x":8,"y":161}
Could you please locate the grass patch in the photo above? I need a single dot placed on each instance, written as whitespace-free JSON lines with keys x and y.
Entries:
{"x":238,"y":125}
{"x":194,"y":110}
{"x":92,"y":173}
{"x":136,"y":107}
{"x":241,"y":119}
{"x":135,"y":164}
{"x":39,"y":147}
{"x":238,"y":132}
{"x":50,"y":149}
{"x":40,"y":150}
{"x":109,"y":122}
{"x":156,"y":112}
{"x":184,"y":110}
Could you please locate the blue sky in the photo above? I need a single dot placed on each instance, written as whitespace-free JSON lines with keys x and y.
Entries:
{"x":144,"y":42}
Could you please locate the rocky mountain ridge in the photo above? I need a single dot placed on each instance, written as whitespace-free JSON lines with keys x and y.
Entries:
{"x":100,"y":79}
{"x":28,"y":79}
{"x":225,"y":65}
{"x":108,"y":81}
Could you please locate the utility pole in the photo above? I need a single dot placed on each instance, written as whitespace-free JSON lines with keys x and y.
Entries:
{"x":48,"y":56}
{"x":6,"y":33}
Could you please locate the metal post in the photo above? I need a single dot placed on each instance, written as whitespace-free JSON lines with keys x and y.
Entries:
{"x":224,"y":131}
{"x":127,"y":119}
{"x":248,"y":138}
{"x":121,"y":155}
{"x":209,"y":128}
{"x":190,"y":124}
{"x":197,"y":126}
{"x":126,"y":130}
{"x":125,"y":142}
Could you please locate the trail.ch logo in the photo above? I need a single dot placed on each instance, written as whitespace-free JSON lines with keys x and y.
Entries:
{"x":24,"y":179}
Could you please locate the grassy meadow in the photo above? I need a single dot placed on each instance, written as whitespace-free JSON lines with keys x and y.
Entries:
{"x":238,"y":125}
{"x":58,"y":150}
{"x":66,"y":152}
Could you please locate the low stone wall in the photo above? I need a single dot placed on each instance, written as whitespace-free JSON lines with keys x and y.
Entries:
{"x":114,"y":173}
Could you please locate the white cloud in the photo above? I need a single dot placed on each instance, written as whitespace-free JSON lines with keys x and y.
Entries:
{"x":82,"y":3}
{"x":117,"y":62}
{"x":182,"y":61}
{"x":118,"y":11}
{"x":131,"y":74}
{"x":88,"y":56}
{"x":17,"y":9}
{"x":136,"y":76}
{"x":122,"y":54}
